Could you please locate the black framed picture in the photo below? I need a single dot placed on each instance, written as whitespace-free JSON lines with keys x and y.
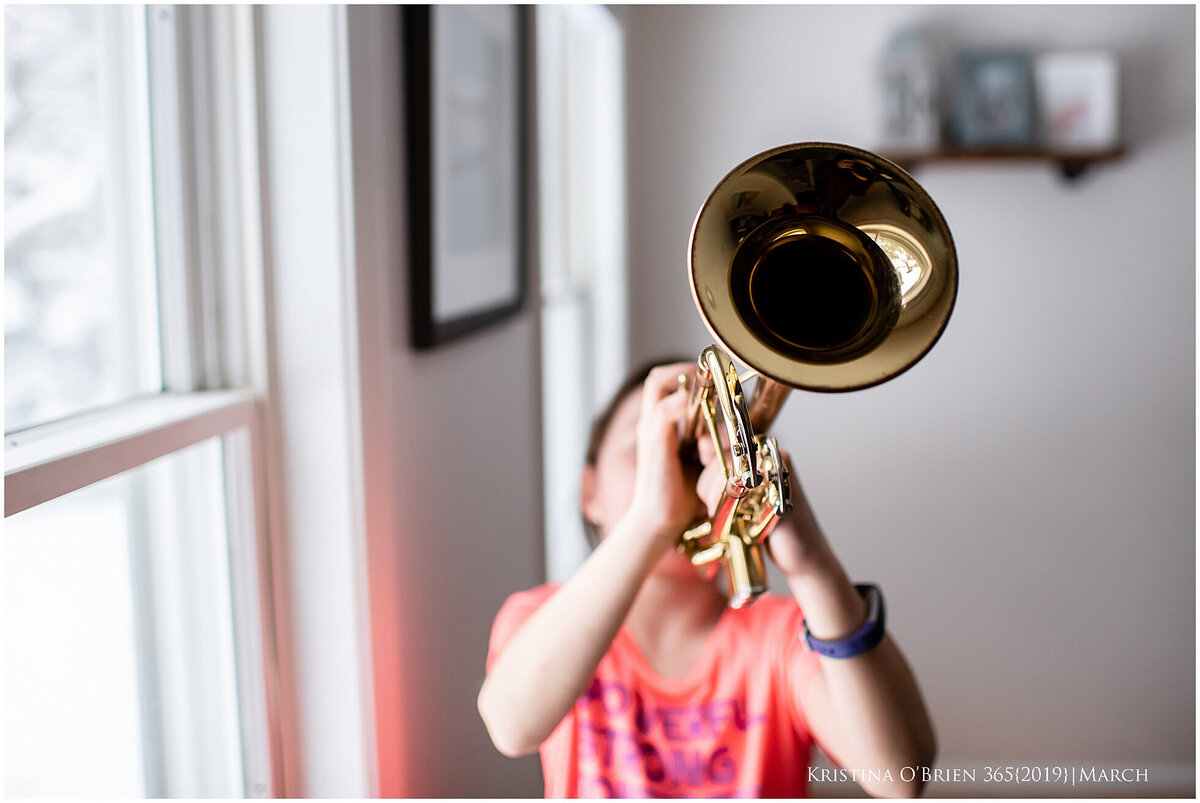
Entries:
{"x":993,"y":99}
{"x":465,"y":107}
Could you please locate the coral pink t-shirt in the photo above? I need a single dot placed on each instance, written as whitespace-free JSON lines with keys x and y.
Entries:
{"x":733,"y":726}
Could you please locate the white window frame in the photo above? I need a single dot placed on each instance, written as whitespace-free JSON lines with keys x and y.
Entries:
{"x":583,"y":252}
{"x":189,"y":91}
{"x":260,"y":348}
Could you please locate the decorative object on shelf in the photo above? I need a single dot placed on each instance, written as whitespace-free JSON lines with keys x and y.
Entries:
{"x":993,"y":99}
{"x":466,"y":130}
{"x":1077,"y":99}
{"x":999,"y":104}
{"x":909,"y":78}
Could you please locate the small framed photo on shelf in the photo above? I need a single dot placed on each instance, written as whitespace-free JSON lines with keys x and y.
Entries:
{"x":465,"y":105}
{"x":1077,"y":99}
{"x":908,"y":79}
{"x":993,"y":99}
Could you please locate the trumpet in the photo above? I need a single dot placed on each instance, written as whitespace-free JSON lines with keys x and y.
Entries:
{"x":820,"y":267}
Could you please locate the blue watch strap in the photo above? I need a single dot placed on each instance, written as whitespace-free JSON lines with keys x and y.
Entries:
{"x":867,"y":636}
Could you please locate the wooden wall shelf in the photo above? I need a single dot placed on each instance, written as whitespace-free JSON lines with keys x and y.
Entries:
{"x":1072,"y":163}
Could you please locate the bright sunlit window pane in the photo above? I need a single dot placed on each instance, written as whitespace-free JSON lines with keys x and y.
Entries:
{"x":119,"y":671}
{"x":70,"y":669}
{"x":81,"y":327}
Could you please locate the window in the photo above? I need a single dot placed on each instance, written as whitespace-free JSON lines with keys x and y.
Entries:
{"x":581,"y":146}
{"x":134,"y":575}
{"x":118,"y":632}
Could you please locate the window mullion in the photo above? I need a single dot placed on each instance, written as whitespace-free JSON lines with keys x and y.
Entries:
{"x":146,"y":624}
{"x":213,"y":308}
{"x":203,"y":161}
{"x":252,"y":587}
{"x":178,"y":198}
{"x":124,"y":109}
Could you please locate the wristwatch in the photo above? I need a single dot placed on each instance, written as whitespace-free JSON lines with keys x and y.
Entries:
{"x":870,"y":634}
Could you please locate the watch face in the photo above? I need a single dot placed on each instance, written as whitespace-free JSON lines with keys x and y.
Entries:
{"x":874,"y":601}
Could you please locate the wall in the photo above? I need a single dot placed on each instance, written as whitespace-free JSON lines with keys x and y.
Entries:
{"x":452,"y":477}
{"x":1025,"y":495}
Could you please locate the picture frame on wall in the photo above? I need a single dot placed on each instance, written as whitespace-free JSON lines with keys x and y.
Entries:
{"x":1078,"y":99}
{"x":465,"y":109}
{"x":994,"y":100}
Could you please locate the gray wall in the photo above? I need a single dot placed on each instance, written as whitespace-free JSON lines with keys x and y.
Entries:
{"x":1025,"y":495}
{"x":453,"y":472}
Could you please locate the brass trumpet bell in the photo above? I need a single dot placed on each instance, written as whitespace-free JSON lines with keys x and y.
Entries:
{"x":819,"y":266}
{"x":823,"y":267}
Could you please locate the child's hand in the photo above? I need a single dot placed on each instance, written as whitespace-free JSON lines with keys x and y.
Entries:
{"x":797,"y":545}
{"x":664,"y":497}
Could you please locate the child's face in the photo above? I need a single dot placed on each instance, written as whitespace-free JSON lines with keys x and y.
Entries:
{"x":612,"y":478}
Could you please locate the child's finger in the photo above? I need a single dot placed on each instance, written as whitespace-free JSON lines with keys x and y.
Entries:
{"x":711,"y":486}
{"x":662,"y":420}
{"x":662,"y":381}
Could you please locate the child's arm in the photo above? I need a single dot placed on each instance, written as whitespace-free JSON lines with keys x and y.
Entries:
{"x":549,"y":661}
{"x":547,"y":664}
{"x":865,"y":711}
